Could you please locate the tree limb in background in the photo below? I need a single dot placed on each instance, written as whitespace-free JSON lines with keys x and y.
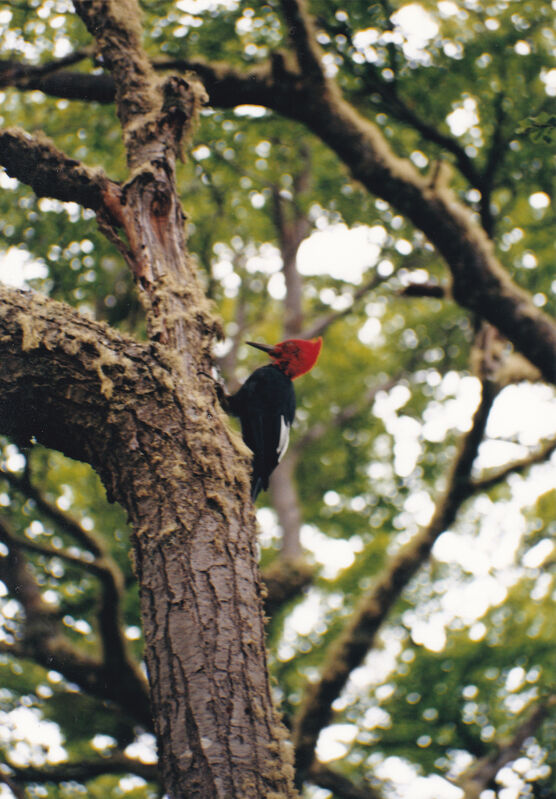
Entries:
{"x":319,"y":326}
{"x":293,"y":226}
{"x":341,"y":787}
{"x":492,"y":479}
{"x":480,"y":283}
{"x":226,"y":85}
{"x":285,"y":500}
{"x":482,"y":774}
{"x":284,"y":579}
{"x":110,"y":678}
{"x":424,"y":290}
{"x":17,"y":791}
{"x":64,"y":521}
{"x":115,"y":654}
{"x":352,"y":646}
{"x":84,"y":770}
{"x":103,"y":567}
{"x":292,"y":231}
{"x":302,"y":36}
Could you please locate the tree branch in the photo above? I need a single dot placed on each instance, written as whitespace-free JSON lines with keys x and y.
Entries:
{"x":291,"y":233}
{"x":154,"y":116}
{"x":357,"y":638}
{"x":340,"y":786}
{"x":18,"y":792}
{"x":116,"y":30}
{"x":226,"y":86}
{"x":64,"y":521}
{"x":302,"y":36}
{"x":116,"y":677}
{"x":36,"y":161}
{"x":482,"y":774}
{"x":55,"y":81}
{"x":284,"y":580}
{"x":517,"y":467}
{"x":319,"y":326}
{"x":480,"y":283}
{"x":84,"y":770}
{"x":16,"y":73}
{"x":114,"y":645}
{"x":73,"y":364}
{"x":344,"y":415}
{"x":424,"y":290}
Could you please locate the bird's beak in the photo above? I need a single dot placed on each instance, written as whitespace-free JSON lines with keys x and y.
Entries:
{"x":263,"y":347}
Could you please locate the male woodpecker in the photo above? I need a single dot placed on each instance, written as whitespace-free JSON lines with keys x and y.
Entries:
{"x":265,"y":404}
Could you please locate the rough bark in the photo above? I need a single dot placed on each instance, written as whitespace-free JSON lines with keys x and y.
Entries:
{"x":147,"y":419}
{"x":173,"y":464}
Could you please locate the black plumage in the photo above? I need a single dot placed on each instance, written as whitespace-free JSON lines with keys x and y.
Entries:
{"x":265,"y":405}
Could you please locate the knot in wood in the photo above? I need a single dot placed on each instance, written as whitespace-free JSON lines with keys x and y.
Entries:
{"x":161,"y":202}
{"x":179,"y":98}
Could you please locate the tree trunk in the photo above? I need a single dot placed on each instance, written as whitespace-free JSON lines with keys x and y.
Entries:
{"x":146,"y":417}
{"x":171,"y":461}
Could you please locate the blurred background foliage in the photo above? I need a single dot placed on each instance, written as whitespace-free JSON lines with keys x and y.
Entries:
{"x":467,"y":652}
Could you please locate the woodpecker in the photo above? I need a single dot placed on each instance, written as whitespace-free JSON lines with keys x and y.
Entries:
{"x":265,"y":404}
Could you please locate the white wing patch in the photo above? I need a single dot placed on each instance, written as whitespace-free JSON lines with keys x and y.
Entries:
{"x":284,"y":438}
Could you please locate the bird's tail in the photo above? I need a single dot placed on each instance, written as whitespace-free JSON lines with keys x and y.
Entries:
{"x":256,"y":486}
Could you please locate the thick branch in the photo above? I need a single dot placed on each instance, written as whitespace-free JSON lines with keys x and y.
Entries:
{"x":35,"y":161}
{"x":154,"y":116}
{"x":115,"y":26}
{"x":352,"y":646}
{"x":70,"y":361}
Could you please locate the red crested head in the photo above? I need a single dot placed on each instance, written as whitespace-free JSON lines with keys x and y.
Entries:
{"x":295,"y":356}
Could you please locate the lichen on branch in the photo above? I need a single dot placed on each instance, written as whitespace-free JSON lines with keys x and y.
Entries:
{"x":36,"y":161}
